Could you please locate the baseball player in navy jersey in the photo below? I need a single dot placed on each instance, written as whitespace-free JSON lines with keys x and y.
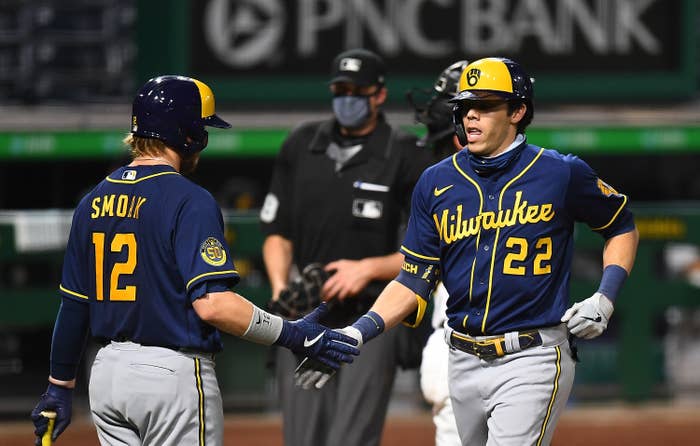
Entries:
{"x":441,"y":140}
{"x":147,"y":273}
{"x":495,"y":222}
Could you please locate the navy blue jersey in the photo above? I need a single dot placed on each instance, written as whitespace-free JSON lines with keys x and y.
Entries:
{"x":504,"y":242}
{"x":141,"y":246}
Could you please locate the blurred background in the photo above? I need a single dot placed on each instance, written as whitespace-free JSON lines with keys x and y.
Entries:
{"x":616,"y":82}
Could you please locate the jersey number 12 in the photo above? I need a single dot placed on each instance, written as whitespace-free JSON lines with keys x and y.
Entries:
{"x":120,"y":242}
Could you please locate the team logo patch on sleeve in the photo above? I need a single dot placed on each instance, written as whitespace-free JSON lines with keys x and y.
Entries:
{"x":213,"y":252}
{"x":606,"y":189}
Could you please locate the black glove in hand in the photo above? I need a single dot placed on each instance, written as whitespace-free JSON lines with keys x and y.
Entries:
{"x":58,"y":399}
{"x":308,"y":337}
{"x":303,"y":294}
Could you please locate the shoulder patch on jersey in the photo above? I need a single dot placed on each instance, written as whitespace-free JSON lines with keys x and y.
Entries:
{"x":606,"y":189}
{"x":268,"y":213}
{"x":213,"y":252}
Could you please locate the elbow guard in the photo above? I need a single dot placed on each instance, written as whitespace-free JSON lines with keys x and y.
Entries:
{"x":421,"y":279}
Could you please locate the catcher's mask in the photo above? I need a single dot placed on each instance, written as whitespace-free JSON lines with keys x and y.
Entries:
{"x":175,"y":110}
{"x":431,"y":106}
{"x":496,"y":76}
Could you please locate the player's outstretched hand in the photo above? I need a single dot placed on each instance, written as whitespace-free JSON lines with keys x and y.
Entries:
{"x":306,"y":336}
{"x":589,"y":318}
{"x":56,"y":399}
{"x":313,"y":373}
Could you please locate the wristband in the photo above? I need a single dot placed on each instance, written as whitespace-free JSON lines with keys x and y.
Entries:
{"x":264,"y":328}
{"x":614,"y":277}
{"x":369,"y":325}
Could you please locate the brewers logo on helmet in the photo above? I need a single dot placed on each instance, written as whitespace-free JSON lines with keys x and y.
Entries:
{"x":496,"y":75}
{"x":493,"y":76}
{"x":175,"y":110}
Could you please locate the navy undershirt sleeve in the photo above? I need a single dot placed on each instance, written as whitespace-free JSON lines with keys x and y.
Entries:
{"x":69,"y":337}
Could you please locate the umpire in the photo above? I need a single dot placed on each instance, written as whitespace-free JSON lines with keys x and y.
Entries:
{"x":339,"y":194}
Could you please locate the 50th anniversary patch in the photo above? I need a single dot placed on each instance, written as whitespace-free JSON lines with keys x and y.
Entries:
{"x":213,"y":252}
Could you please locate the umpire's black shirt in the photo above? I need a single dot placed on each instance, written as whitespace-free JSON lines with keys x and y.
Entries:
{"x":331,"y":208}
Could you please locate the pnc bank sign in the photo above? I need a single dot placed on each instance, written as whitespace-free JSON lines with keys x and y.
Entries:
{"x":291,"y":34}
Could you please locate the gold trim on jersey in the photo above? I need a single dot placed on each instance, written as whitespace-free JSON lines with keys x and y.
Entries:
{"x":72,"y":293}
{"x":624,"y":202}
{"x":555,"y":390}
{"x":420,"y":256}
{"x":419,"y":313}
{"x":478,"y":236}
{"x":200,"y":393}
{"x":498,"y":231}
{"x":213,"y":273}
{"x":148,"y":177}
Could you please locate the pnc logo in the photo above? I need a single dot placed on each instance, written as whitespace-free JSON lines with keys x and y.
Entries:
{"x":473,"y":76}
{"x":244,"y":33}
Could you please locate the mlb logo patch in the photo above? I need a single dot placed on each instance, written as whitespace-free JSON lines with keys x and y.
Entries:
{"x":364,"y":208}
{"x":129,"y":175}
{"x":350,"y":64}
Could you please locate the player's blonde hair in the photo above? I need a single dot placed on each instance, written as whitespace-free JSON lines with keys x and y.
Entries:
{"x":139,"y":146}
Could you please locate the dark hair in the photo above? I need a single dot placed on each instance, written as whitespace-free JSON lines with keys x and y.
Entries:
{"x":514,"y":104}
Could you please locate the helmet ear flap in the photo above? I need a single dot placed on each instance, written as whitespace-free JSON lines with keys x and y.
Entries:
{"x":457,"y":112}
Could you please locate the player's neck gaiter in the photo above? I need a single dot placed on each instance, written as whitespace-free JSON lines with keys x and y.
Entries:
{"x":487,"y":166}
{"x":351,"y":111}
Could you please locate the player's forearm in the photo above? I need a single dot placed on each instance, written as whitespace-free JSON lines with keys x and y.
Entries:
{"x":383,"y":267}
{"x":621,"y":250}
{"x":395,"y":303}
{"x":277,"y":255}
{"x":227,"y":311}
{"x":618,"y":258}
{"x":232,"y":313}
{"x":67,"y":384}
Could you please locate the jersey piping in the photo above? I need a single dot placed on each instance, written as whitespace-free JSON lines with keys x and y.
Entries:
{"x":147,"y":177}
{"x":72,"y":293}
{"x":478,"y":235}
{"x":212,"y":273}
{"x":403,"y":248}
{"x":624,"y":202}
{"x":498,"y":231}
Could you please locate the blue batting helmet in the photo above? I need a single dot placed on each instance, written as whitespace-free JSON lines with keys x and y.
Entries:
{"x":175,"y":110}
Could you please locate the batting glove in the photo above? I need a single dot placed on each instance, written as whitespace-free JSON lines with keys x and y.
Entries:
{"x":308,"y":337}
{"x":589,"y":318}
{"x":58,"y":399}
{"x":314,"y":374}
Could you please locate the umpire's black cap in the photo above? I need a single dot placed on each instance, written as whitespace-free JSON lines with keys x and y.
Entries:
{"x":358,"y":66}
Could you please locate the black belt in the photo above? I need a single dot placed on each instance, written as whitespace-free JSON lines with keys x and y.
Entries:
{"x":494,"y":347}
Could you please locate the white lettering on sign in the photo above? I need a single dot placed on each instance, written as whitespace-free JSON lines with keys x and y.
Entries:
{"x":606,"y":26}
{"x":248,"y":33}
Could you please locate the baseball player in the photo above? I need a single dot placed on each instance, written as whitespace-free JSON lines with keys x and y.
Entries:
{"x":441,"y":139}
{"x":339,"y":189}
{"x":496,"y":220}
{"x":147,"y":273}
